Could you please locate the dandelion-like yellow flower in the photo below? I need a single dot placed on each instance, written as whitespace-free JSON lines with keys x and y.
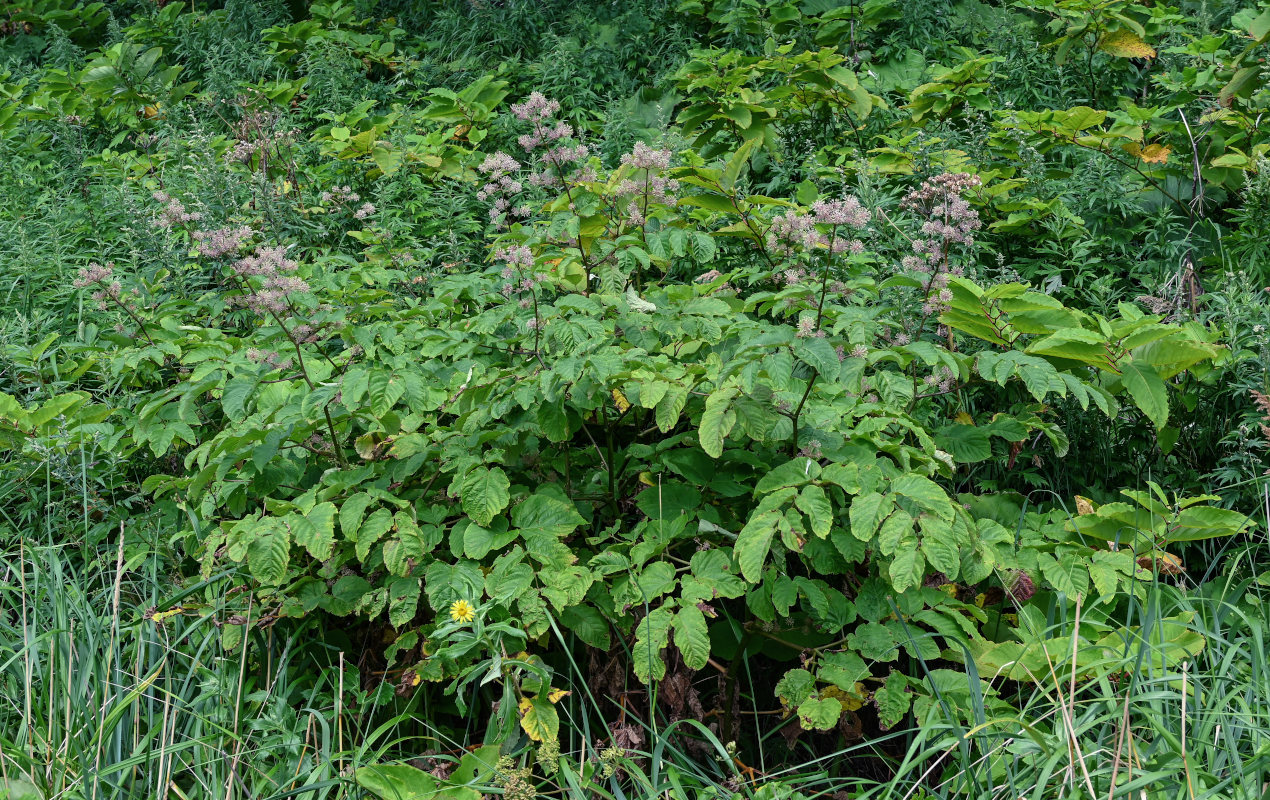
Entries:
{"x":462,"y":611}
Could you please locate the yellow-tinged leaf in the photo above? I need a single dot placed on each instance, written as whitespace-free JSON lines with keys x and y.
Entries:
{"x":1151,"y":154}
{"x":646,"y":478}
{"x":555,"y":694}
{"x":1156,"y":153}
{"x":1126,"y":44}
{"x":160,"y":616}
{"x":1084,"y":505}
{"x":964,"y":418}
{"x":851,"y":701}
{"x":620,"y":401}
{"x":538,"y":719}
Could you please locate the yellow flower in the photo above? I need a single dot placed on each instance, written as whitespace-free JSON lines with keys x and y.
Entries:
{"x":462,"y":611}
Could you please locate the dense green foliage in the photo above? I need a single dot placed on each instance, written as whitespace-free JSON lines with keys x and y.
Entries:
{"x":414,"y":400}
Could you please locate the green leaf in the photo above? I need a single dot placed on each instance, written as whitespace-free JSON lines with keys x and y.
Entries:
{"x":818,"y":354}
{"x":819,"y":714}
{"x":269,"y":551}
{"x":546,"y":515}
{"x":351,"y":513}
{"x":892,"y":700}
{"x":843,"y":670}
{"x":1147,"y":390}
{"x":1205,"y":522}
{"x":967,"y":443}
{"x":711,"y":202}
{"x":485,"y":494}
{"x":554,"y":421}
{"x":372,"y":530}
{"x":651,"y":637}
{"x":795,"y":472}
{"x":867,"y":512}
{"x":874,"y":641}
{"x":406,"y":549}
{"x":813,"y":502}
{"x":754,"y":542}
{"x":717,"y":420}
{"x":703,"y":247}
{"x":588,"y":624}
{"x":1067,"y":574}
{"x":942,"y":553}
{"x":692,"y":637}
{"x":403,"y":601}
{"x":234,"y":397}
{"x":925,"y":493}
{"x":795,"y":686}
{"x":907,"y":569}
{"x":315,"y":531}
{"x":396,"y":782}
{"x":668,"y":410}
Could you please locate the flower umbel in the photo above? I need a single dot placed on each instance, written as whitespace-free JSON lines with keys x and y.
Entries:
{"x":462,"y":611}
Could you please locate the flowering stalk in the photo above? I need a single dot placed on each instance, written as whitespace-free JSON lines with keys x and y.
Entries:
{"x":802,"y":229}
{"x":97,"y":275}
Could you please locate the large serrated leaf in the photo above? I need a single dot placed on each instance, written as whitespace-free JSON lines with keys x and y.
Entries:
{"x":754,"y":542}
{"x":485,"y":494}
{"x":269,"y":551}
{"x":692,"y":637}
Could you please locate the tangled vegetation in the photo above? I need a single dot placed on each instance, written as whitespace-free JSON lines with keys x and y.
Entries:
{"x":713,"y":399}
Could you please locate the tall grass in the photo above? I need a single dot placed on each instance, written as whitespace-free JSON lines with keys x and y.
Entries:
{"x":99,"y":701}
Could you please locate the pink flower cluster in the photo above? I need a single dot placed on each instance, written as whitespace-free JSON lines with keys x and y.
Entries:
{"x":807,"y":328}
{"x":500,"y":187}
{"x":221,"y":242}
{"x":847,"y":211}
{"x":515,"y":256}
{"x":548,"y":134}
{"x":275,"y":271}
{"x":340,"y":196}
{"x":949,"y":218}
{"x":793,"y":230}
{"x":173,"y":213}
{"x":950,"y":221}
{"x":655,"y":188}
{"x":269,"y":357}
{"x":103,"y":277}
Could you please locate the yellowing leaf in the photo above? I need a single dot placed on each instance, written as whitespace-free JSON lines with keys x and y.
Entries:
{"x":555,"y":694}
{"x":646,"y":478}
{"x":538,"y":719}
{"x":964,"y":419}
{"x":1084,"y":505}
{"x":620,"y":401}
{"x":1151,"y":154}
{"x":1126,"y":44}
